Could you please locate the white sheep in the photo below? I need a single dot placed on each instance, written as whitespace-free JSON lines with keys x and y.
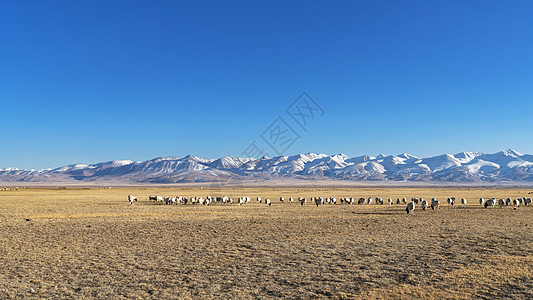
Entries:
{"x":424,"y":204}
{"x":451,"y":201}
{"x":517,"y":202}
{"x":434,"y":203}
{"x":131,"y":198}
{"x":410,"y":207}
{"x":491,"y":202}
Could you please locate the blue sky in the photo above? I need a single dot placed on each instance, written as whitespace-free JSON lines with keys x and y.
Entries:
{"x":90,"y":81}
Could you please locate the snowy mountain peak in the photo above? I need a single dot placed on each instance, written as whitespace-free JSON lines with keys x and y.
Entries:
{"x":512,"y":153}
{"x":118,"y":163}
{"x":340,"y":156}
{"x":407,"y":156}
{"x":10,"y":169}
{"x":466,"y":157}
{"x":158,"y":159}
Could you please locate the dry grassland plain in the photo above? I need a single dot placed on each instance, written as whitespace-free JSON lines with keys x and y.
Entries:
{"x":89,"y":243}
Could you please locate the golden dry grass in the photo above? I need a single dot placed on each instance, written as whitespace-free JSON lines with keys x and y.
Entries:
{"x":89,"y":243}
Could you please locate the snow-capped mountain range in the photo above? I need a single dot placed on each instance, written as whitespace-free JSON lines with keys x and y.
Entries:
{"x":466,"y":167}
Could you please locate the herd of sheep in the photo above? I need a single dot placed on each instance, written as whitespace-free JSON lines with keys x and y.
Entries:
{"x":410,"y":206}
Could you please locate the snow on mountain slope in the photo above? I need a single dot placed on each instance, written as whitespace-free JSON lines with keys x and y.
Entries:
{"x":408,"y":156}
{"x":228,"y":162}
{"x":466,"y":157}
{"x":503,"y":157}
{"x":503,"y":166}
{"x":360,"y":159}
{"x":437,"y":163}
{"x":482,"y":166}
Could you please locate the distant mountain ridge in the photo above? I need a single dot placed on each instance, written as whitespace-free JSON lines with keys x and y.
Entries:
{"x":465,"y":167}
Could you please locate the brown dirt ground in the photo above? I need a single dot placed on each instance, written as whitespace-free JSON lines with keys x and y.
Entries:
{"x":89,"y":243}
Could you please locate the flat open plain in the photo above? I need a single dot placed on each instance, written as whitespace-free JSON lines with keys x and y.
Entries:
{"x":89,"y":243}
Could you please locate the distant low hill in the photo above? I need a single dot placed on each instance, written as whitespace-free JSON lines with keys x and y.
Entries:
{"x":507,"y":166}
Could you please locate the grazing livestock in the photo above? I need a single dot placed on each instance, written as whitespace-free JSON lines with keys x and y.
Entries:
{"x":170,"y":200}
{"x":501,"y":203}
{"x":517,"y":202}
{"x":291,"y":200}
{"x":131,"y":198}
{"x":491,"y":203}
{"x":410,"y":207}
{"x":481,"y":201}
{"x":361,"y":201}
{"x":390,"y":201}
{"x":369,"y":200}
{"x":155,"y":198}
{"x":451,"y":201}
{"x":463,"y":202}
{"x":527,"y":201}
{"x":424,"y":204}
{"x":398,"y":201}
{"x":508,"y":201}
{"x":302,"y":201}
{"x":434,"y":203}
{"x":281,"y":199}
{"x":258,"y":199}
{"x":268,"y":202}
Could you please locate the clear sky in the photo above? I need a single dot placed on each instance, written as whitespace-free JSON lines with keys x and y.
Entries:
{"x":91,"y":81}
